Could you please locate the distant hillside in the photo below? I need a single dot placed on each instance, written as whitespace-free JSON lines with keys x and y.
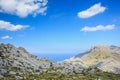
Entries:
{"x":104,"y":57}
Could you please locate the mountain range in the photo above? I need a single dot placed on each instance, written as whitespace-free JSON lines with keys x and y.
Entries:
{"x":101,"y":62}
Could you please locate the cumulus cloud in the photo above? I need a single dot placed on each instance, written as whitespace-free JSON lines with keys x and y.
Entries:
{"x":98,"y":28}
{"x":6,"y":37}
{"x":11,"y":27}
{"x":23,"y":8}
{"x":94,"y":10}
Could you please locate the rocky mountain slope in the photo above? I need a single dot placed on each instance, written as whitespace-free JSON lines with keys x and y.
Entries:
{"x":18,"y":61}
{"x":104,"y":57}
{"x":18,"y":64}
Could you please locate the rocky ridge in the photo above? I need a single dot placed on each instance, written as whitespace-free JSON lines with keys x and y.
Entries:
{"x":18,"y":64}
{"x":104,"y":57}
{"x":18,"y":61}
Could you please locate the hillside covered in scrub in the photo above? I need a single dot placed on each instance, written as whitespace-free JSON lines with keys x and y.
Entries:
{"x":104,"y":57}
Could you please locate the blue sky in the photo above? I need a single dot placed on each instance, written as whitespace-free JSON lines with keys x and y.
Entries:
{"x":59,"y":26}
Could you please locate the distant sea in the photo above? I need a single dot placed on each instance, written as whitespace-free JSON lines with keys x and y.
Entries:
{"x":55,"y":57}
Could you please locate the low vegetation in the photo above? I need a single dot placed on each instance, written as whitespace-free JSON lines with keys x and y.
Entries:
{"x":85,"y":75}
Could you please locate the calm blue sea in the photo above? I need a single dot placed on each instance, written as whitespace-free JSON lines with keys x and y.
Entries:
{"x":55,"y":57}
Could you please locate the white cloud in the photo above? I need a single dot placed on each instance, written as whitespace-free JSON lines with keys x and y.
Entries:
{"x":98,"y":28}
{"x":23,"y":8}
{"x":94,"y":10}
{"x":6,"y":37}
{"x":11,"y":27}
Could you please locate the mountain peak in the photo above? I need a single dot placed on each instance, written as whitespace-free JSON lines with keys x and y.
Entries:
{"x":102,"y":56}
{"x":6,"y":45}
{"x":100,"y":48}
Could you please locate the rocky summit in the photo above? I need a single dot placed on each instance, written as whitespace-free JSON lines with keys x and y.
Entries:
{"x":18,"y":64}
{"x":104,"y":57}
{"x":17,"y":60}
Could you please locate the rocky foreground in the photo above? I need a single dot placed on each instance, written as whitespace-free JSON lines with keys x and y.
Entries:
{"x":18,"y":64}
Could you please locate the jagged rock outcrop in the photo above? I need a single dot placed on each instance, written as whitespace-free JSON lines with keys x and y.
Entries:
{"x":19,"y":57}
{"x":17,"y":62}
{"x":68,"y":68}
{"x":104,"y":57}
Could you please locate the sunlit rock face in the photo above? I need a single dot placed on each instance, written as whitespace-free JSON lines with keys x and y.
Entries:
{"x":105,"y":57}
{"x":17,"y":61}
